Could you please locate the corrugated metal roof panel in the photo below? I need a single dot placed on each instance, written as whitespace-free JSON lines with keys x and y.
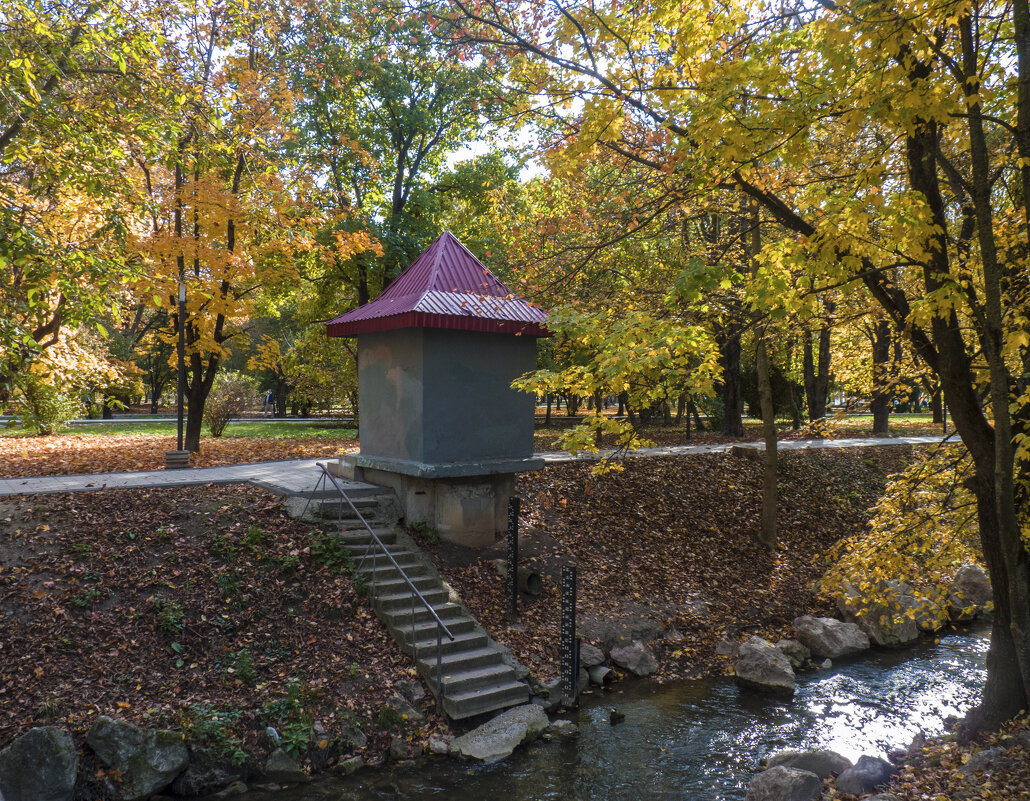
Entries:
{"x":445,"y":281}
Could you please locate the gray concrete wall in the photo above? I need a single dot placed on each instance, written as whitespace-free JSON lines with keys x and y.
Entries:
{"x":469,"y":410}
{"x":390,"y":393}
{"x":435,"y":395}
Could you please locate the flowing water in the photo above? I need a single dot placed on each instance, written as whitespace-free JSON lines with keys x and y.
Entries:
{"x":701,"y":740}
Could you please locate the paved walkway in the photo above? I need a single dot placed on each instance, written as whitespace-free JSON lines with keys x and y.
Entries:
{"x":299,"y":477}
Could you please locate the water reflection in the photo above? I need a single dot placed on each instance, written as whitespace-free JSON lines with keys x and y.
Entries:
{"x":701,"y":740}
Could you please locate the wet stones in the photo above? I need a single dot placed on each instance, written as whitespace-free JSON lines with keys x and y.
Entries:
{"x":828,"y":638}
{"x":865,"y":776}
{"x":784,"y":784}
{"x":823,"y":763}
{"x":501,"y":735}
{"x":762,"y":666}
{"x":635,"y":658}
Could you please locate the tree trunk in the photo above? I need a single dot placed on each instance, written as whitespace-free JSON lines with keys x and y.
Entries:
{"x":692,"y":409}
{"x":937,"y":405}
{"x":624,"y":402}
{"x":197,"y":389}
{"x":808,"y":373}
{"x":822,"y":376}
{"x":732,"y":394}
{"x":768,"y":531}
{"x":881,"y":392}
{"x":547,"y":414}
{"x":767,"y":536}
{"x":817,"y":381}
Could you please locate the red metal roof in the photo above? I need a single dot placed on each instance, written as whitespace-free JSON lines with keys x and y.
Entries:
{"x":445,"y":287}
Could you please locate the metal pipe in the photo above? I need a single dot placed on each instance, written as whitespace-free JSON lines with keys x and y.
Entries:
{"x":439,"y":667}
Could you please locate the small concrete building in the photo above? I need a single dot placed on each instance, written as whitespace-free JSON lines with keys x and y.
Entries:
{"x":439,"y":422}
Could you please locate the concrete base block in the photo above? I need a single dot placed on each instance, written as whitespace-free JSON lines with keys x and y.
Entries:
{"x":470,"y":511}
{"x":344,"y":467}
{"x":177,"y":460}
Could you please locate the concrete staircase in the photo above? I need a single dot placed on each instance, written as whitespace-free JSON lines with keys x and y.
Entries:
{"x":475,"y":677}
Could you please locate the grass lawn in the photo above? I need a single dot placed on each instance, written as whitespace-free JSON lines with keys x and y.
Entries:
{"x":278,"y":429}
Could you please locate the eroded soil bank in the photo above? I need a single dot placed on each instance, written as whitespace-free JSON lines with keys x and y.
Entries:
{"x":209,"y":610}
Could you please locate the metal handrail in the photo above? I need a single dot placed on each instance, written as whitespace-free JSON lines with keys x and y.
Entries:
{"x":441,"y":627}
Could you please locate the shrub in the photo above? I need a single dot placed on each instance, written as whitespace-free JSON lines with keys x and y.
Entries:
{"x":47,"y":409}
{"x":228,"y":399}
{"x":169,"y":615}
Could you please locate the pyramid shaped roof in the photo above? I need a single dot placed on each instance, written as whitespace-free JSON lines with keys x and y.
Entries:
{"x":445,"y":287}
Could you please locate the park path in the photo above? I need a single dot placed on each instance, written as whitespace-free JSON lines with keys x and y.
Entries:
{"x":299,"y":477}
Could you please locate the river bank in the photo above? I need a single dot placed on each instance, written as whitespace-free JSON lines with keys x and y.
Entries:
{"x":209,"y":611}
{"x":703,"y":739}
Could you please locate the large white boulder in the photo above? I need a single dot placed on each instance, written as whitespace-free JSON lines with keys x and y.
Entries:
{"x":501,"y":735}
{"x":829,"y":638}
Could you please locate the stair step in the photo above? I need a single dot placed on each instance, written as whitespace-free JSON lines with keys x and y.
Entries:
{"x":460,"y":681}
{"x":385,"y":573}
{"x":470,"y":703}
{"x":380,"y":559}
{"x":401,"y":600}
{"x":425,"y":646}
{"x":374,"y":548}
{"x":388,"y":574}
{"x":461,"y":660}
{"x":355,"y":538}
{"x":399,"y":618}
{"x":425,"y":631}
{"x":391,"y":585}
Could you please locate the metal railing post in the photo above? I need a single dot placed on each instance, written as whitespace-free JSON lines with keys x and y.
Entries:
{"x":439,"y":667}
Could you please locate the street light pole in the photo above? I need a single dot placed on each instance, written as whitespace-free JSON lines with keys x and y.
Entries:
{"x":181,"y":356}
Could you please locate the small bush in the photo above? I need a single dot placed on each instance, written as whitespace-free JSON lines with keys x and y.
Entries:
{"x":331,"y":552}
{"x":213,"y":729}
{"x":169,"y":615}
{"x":228,"y":399}
{"x":47,"y":409}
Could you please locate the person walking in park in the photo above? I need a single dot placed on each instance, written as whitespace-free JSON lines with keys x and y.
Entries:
{"x":269,"y":403}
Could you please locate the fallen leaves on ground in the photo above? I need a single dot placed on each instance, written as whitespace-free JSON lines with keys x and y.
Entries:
{"x":674,"y":538}
{"x":546,"y":438}
{"x":68,"y":454}
{"x":163,"y":607}
{"x":944,"y":770}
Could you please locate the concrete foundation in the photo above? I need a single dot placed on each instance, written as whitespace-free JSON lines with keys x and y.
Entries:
{"x":464,"y":508}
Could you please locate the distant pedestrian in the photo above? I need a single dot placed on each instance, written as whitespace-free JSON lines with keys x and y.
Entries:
{"x":269,"y":403}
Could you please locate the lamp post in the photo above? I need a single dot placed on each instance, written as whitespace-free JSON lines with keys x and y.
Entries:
{"x":180,"y":353}
{"x":180,"y":458}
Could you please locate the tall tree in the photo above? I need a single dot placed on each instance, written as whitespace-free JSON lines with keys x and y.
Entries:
{"x":878,"y":135}
{"x":77,"y":89}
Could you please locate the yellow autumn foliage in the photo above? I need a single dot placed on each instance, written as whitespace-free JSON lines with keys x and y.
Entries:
{"x":922,"y":530}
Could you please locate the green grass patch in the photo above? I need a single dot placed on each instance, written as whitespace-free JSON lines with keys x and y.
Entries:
{"x":257,"y":428}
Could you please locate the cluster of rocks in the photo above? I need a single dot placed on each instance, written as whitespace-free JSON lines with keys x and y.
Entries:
{"x":770,"y":667}
{"x":892,"y":614}
{"x":897,"y":617}
{"x":43,"y":764}
{"x":800,"y":776}
{"x":135,"y":763}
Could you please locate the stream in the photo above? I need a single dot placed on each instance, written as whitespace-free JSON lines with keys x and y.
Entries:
{"x":701,"y":740}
